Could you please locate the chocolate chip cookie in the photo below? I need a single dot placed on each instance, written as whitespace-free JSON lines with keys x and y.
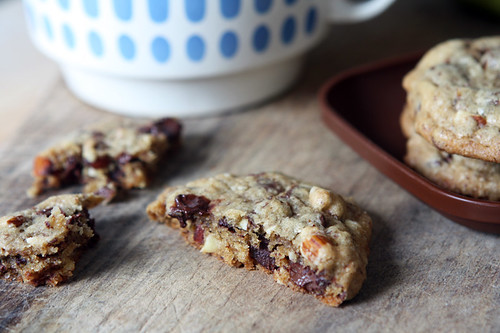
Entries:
{"x":464,"y":175}
{"x":454,"y":95}
{"x":109,"y":158}
{"x":309,"y":238}
{"x":41,"y":245}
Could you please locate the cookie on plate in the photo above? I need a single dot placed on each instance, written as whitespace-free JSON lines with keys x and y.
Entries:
{"x":464,"y":175}
{"x":41,"y":245}
{"x":108,"y":159}
{"x":454,"y":95}
{"x":307,"y":237}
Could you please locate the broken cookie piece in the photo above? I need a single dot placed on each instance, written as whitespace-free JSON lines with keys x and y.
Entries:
{"x":41,"y":245}
{"x":307,"y":237}
{"x":107,"y":159}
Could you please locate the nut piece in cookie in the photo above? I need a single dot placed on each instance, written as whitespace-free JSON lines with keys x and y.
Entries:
{"x":108,"y":159}
{"x":307,"y":237}
{"x":41,"y":245}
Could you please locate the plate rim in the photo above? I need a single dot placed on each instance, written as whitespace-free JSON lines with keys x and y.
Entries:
{"x":377,"y":156}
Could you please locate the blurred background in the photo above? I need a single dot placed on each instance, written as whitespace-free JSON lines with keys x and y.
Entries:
{"x":26,"y":76}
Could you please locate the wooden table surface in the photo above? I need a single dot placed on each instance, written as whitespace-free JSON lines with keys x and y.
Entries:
{"x":425,"y":272}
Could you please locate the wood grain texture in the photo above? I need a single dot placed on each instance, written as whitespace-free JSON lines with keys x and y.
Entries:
{"x":425,"y":272}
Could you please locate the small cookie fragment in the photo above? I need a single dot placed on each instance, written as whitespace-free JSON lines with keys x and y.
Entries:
{"x":307,"y":237}
{"x":108,"y":159}
{"x":41,"y":245}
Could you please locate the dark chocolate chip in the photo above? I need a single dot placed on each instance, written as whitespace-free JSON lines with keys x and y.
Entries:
{"x":79,"y":218}
{"x":168,"y":126}
{"x":263,"y":257}
{"x":16,"y":220}
{"x":20,"y":260}
{"x":306,"y":278}
{"x":324,"y":221}
{"x":45,"y":211}
{"x":264,"y":242}
{"x":223,"y":223}
{"x":47,"y":224}
{"x":3,"y":269}
{"x":187,"y":206}
{"x":270,"y":185}
{"x":72,"y":172}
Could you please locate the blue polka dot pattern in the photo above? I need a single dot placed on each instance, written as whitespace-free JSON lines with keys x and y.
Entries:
{"x":263,"y":6}
{"x":288,"y":30}
{"x":195,"y":48}
{"x":123,"y":9}
{"x":127,"y":47}
{"x":290,"y":2}
{"x":195,"y":10}
{"x":230,"y":8}
{"x":64,"y":4}
{"x":158,"y":10}
{"x":91,"y":8}
{"x":160,"y":49}
{"x":48,"y":28}
{"x":229,"y":44}
{"x":95,"y":43}
{"x":261,"y":38}
{"x":311,"y":18}
{"x":69,"y":38}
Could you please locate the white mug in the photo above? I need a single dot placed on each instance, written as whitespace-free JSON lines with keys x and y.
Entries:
{"x":153,"y":58}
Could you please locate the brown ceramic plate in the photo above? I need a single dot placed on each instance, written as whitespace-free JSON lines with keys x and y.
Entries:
{"x":362,"y":106}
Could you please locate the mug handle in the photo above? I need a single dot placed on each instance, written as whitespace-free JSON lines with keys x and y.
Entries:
{"x":349,"y":11}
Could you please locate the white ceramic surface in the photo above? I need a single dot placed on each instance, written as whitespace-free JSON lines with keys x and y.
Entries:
{"x":179,"y":57}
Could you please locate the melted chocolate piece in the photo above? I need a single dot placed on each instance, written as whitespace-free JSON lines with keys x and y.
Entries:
{"x":223,"y":223}
{"x":269,"y":184}
{"x":45,"y":211}
{"x":71,"y":172}
{"x":79,"y":218}
{"x":324,"y":222}
{"x":263,"y":257}
{"x":306,"y":278}
{"x":187,"y":206}
{"x":20,"y":260}
{"x":168,"y":126}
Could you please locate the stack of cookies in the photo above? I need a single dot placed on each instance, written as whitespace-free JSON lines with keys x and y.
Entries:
{"x":452,"y":116}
